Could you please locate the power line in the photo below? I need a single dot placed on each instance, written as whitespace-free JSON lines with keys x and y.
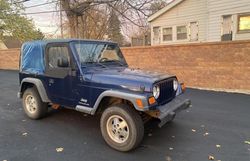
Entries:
{"x":33,"y":13}
{"x":21,"y":1}
{"x":42,"y":4}
{"x":38,"y":5}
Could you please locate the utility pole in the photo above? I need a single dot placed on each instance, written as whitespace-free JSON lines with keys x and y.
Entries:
{"x":61,"y":24}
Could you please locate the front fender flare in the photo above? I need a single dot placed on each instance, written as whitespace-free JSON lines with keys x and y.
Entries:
{"x":123,"y":95}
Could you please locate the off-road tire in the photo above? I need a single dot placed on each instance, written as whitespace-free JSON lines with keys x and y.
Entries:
{"x":134,"y":122}
{"x":41,"y":107}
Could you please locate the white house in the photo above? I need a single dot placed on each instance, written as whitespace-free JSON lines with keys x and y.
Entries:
{"x":187,"y":21}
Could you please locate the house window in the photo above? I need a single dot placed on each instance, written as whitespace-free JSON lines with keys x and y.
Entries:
{"x":167,"y":34}
{"x":181,"y":32}
{"x":244,"y":23}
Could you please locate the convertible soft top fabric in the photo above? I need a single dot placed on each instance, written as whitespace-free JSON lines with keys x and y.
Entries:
{"x":32,"y":60}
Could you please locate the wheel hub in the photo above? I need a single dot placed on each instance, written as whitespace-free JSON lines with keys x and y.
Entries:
{"x":117,"y":129}
{"x":31,"y":104}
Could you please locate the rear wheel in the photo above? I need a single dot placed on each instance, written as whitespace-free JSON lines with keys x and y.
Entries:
{"x":122,"y":127}
{"x":33,"y":105}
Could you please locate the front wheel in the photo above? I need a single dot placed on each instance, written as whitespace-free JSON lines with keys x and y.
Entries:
{"x":33,"y":106}
{"x":122,"y":127}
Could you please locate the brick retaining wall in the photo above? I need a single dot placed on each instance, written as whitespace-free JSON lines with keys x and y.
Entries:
{"x":9,"y":59}
{"x":206,"y":65}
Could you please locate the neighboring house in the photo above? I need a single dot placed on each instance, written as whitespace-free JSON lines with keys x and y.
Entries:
{"x":187,"y":21}
{"x":11,"y":42}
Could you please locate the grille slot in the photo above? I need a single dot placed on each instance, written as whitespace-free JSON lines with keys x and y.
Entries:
{"x":167,"y":92}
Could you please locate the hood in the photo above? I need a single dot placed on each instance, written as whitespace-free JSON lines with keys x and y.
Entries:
{"x":133,"y":79}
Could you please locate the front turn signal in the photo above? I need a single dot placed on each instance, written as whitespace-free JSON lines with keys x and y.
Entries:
{"x":151,"y":100}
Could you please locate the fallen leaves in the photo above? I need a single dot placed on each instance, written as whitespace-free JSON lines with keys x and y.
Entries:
{"x":168,"y":158}
{"x":193,"y":130}
{"x":210,"y":157}
{"x":247,"y":142}
{"x":60,"y":149}
{"x":206,"y":134}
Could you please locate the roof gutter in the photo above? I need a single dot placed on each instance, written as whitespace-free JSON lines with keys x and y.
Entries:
{"x":165,"y":9}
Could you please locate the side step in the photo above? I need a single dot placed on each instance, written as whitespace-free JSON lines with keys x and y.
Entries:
{"x":84,"y":109}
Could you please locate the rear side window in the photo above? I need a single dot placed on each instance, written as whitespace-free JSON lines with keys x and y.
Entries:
{"x":54,"y":53}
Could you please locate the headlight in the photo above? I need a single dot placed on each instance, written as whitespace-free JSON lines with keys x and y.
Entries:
{"x":156,"y":91}
{"x":175,"y":84}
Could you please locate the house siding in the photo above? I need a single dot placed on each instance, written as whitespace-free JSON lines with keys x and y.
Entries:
{"x":218,"y":8}
{"x":208,"y":14}
{"x":184,"y":13}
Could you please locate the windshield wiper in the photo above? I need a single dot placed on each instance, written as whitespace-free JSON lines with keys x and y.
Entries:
{"x":91,"y":62}
{"x":117,"y":61}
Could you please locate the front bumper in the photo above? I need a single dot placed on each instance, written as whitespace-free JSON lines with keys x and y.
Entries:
{"x":168,"y":111}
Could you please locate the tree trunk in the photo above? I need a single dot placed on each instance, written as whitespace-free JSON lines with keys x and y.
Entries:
{"x":71,"y":16}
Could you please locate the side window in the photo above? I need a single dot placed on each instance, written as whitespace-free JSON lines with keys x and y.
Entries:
{"x":181,"y":32}
{"x":244,"y":23}
{"x":56,"y":53}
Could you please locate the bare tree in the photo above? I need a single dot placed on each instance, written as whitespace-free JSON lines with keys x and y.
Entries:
{"x":86,"y":15}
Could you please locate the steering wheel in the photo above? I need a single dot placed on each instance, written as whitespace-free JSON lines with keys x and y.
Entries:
{"x":103,"y":59}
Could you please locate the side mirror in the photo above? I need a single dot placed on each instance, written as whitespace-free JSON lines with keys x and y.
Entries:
{"x":62,"y":62}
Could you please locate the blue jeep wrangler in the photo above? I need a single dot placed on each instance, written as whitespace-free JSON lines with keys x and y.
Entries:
{"x":93,"y":77}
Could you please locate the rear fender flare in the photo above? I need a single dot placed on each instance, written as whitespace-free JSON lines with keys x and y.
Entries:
{"x":39,"y":86}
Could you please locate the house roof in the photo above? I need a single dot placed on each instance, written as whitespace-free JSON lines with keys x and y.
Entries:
{"x":11,"y":42}
{"x":165,"y":9}
{"x":2,"y":45}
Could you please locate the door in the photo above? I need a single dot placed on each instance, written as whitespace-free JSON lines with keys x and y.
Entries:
{"x":194,"y":31}
{"x":156,"y":35}
{"x":59,"y":75}
{"x":227,"y":31}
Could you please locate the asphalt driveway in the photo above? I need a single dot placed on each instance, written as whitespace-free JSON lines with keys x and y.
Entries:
{"x":218,"y":124}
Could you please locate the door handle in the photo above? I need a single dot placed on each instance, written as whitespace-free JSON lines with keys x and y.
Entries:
{"x":51,"y":81}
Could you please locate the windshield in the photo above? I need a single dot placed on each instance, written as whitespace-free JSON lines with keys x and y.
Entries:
{"x":99,"y":53}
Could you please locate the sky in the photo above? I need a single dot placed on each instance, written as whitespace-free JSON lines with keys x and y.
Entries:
{"x":48,"y":23}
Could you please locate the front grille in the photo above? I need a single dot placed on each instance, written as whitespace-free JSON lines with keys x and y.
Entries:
{"x":167,"y":92}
